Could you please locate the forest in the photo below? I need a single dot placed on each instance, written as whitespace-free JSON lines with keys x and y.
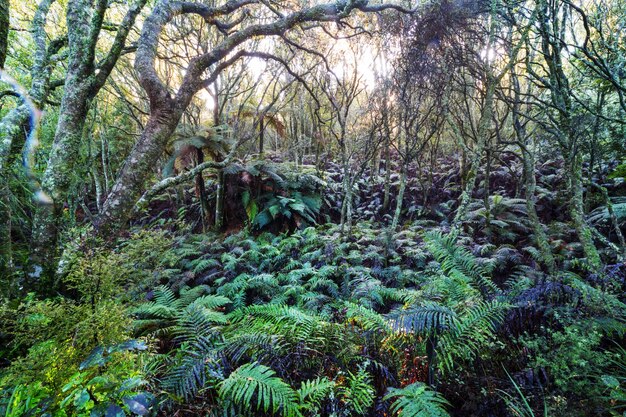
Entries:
{"x":313,"y":208}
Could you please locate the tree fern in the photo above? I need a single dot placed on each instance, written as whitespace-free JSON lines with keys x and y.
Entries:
{"x":256,"y":387}
{"x":417,"y":400}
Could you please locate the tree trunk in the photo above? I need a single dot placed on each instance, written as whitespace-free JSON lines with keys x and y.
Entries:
{"x":573,"y":169}
{"x":346,"y":203}
{"x":400,"y":198}
{"x":261,"y":135}
{"x":550,"y":19}
{"x":139,"y":165}
{"x":470,"y":184}
{"x":6,"y":248}
{"x":539,"y":235}
{"x":19,"y":122}
{"x":98,"y":186}
{"x":59,"y":174}
{"x":484,"y":130}
{"x":387,"y":134}
{"x":82,"y":84}
{"x":4,"y":30}
{"x":15,"y":124}
{"x":219,"y":200}
{"x":486,"y":188}
{"x":200,"y":189}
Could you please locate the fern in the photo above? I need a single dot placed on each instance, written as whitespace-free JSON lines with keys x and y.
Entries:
{"x":470,"y":332}
{"x":312,"y":393}
{"x":288,"y":321}
{"x":366,"y":318}
{"x":255,"y":387}
{"x":417,"y":400}
{"x":194,"y":365}
{"x":358,"y":393}
{"x":202,"y":265}
{"x":429,"y":318}
{"x":457,"y":262}
{"x":190,"y":314}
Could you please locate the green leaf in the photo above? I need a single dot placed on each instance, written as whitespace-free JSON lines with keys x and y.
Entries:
{"x":95,"y":358}
{"x":138,"y":404}
{"x":610,"y":381}
{"x":81,"y":398}
{"x":274,"y":210}
{"x":114,"y":411}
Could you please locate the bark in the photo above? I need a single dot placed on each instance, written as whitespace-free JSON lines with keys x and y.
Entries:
{"x":539,"y":235}
{"x":98,"y":186}
{"x":201,"y":190}
{"x":6,"y":247}
{"x":346,"y":202}
{"x":4,"y":30}
{"x":387,"y":134}
{"x":261,"y":136}
{"x":219,"y":200}
{"x":486,"y":189}
{"x":17,"y":123}
{"x":484,"y":131}
{"x":137,"y":168}
{"x":84,"y":79}
{"x":400,"y":198}
{"x":530,"y":183}
{"x":573,"y":169}
{"x":560,"y":94}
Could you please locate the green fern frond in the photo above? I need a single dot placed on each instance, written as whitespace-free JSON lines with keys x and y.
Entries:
{"x":367,"y":318}
{"x":256,"y":387}
{"x":313,"y":392}
{"x":470,"y":332}
{"x":358,"y":393}
{"x":417,"y":400}
{"x":423,"y":319}
{"x":456,"y":261}
{"x":195,"y":364}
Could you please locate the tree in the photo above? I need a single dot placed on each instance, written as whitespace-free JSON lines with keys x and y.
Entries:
{"x":419,"y":84}
{"x":167,"y":107}
{"x":85,"y":77}
{"x":20,"y":121}
{"x":4,"y":30}
{"x":553,"y":19}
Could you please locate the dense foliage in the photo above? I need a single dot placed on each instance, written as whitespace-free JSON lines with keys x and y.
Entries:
{"x":312,"y":209}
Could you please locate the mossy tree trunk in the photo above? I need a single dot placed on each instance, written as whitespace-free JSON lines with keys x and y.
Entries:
{"x":483,"y":136}
{"x":526,"y":145}
{"x":84,"y":78}
{"x":400,"y":198}
{"x":4,"y":31}
{"x":18,"y":123}
{"x":553,"y":22}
